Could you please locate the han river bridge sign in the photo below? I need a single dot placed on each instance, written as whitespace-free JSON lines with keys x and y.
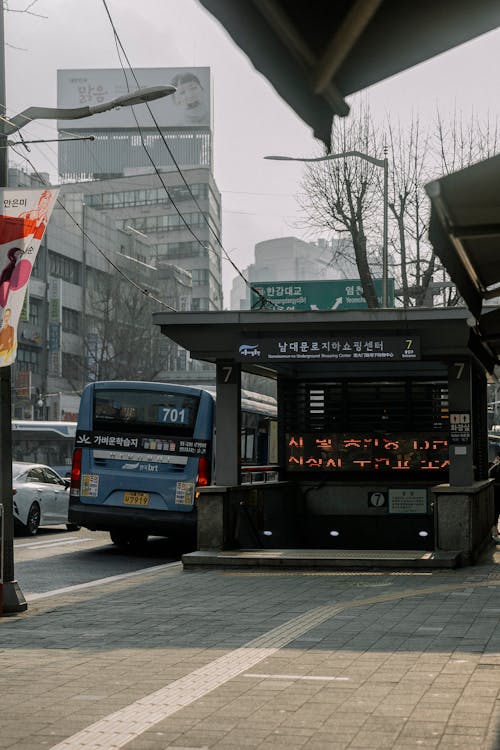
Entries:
{"x":339,"y":294}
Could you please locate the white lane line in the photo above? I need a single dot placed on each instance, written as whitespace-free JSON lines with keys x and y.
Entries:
{"x":99,"y":582}
{"x":323,"y":678}
{"x":52,"y":543}
{"x":125,"y":725}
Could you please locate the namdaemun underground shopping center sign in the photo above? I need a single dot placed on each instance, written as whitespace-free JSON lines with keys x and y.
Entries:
{"x":333,"y":348}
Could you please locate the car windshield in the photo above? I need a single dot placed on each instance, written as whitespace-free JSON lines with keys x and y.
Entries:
{"x":18,"y":469}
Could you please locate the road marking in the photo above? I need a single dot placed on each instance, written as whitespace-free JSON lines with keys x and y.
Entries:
{"x":52,"y":543}
{"x":127,"y":724}
{"x":324,"y":678}
{"x":98,"y":582}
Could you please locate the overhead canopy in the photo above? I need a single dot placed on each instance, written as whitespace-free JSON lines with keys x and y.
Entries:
{"x":221,"y":336}
{"x":318,"y":52}
{"x":465,"y":232}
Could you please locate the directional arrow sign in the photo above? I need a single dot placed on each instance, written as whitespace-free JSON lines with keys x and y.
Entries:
{"x":338,"y":294}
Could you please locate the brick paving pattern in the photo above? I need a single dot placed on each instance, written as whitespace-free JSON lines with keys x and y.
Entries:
{"x":171,"y":660}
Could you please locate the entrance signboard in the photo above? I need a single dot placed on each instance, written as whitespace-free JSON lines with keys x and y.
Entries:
{"x":341,"y":348}
{"x":337,"y":294}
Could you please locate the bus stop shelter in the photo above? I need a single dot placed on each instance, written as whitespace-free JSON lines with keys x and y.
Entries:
{"x":382,"y":428}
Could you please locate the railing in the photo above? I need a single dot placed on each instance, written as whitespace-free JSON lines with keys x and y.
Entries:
{"x":257,"y":474}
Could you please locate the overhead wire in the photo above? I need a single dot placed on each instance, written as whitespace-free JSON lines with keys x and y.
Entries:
{"x":121,"y":50}
{"x":23,"y":156}
{"x":40,"y":177}
{"x":85,"y":234}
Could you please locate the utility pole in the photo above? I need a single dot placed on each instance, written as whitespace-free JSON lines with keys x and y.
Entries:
{"x":12,"y":598}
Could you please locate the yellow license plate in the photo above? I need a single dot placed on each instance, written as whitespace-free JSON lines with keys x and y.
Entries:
{"x":135,"y":498}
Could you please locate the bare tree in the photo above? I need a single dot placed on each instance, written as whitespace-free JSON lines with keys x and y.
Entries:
{"x":341,"y":195}
{"x":414,"y":260}
{"x":119,"y":341}
{"x":346,"y":195}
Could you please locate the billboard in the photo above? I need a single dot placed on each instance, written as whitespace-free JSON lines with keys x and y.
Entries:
{"x":337,"y":294}
{"x":188,"y":107}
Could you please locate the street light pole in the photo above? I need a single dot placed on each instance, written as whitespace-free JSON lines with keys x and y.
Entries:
{"x":384,"y":163}
{"x":12,"y":597}
{"x":10,"y":592}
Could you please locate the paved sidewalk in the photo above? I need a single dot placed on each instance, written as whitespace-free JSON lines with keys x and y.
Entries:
{"x":254,"y":659}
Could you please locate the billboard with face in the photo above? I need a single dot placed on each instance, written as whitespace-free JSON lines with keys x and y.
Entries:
{"x":188,"y":107}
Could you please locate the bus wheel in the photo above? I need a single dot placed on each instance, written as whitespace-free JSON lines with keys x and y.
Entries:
{"x":128,"y":541}
{"x":33,"y":520}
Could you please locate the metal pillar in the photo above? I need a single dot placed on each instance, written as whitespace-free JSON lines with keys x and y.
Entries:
{"x":13,"y":599}
{"x":460,"y":405}
{"x":228,"y":424}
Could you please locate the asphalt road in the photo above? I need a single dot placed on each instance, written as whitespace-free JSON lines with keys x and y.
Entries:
{"x":56,"y":558}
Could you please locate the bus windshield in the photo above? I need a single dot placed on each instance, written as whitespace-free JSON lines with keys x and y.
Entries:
{"x":146,"y":410}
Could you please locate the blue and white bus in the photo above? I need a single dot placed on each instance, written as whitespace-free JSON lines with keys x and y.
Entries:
{"x":143,"y":450}
{"x":44,"y":442}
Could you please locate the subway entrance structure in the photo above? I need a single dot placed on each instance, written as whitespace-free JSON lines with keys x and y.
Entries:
{"x":382,"y":437}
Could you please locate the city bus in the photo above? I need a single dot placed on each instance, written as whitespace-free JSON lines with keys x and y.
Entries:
{"x":43,"y":442}
{"x":143,"y":450}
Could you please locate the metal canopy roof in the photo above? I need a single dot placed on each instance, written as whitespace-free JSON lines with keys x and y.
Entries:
{"x":465,"y":232}
{"x":216,"y":336}
{"x":318,"y":52}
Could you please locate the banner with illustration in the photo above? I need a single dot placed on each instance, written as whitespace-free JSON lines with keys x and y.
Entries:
{"x":23,"y":220}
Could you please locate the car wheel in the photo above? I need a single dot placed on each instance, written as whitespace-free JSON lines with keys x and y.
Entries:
{"x":73,"y":527}
{"x":128,"y":541}
{"x":33,"y":520}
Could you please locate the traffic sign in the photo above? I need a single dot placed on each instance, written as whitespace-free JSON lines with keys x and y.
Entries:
{"x":337,"y":294}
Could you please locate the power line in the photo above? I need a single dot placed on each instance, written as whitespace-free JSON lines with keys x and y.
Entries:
{"x":85,"y":234}
{"x":119,"y":46}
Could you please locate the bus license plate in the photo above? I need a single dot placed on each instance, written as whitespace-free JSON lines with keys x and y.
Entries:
{"x":135,"y":498}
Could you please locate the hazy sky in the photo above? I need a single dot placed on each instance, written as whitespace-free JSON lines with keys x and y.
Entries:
{"x":250,"y":120}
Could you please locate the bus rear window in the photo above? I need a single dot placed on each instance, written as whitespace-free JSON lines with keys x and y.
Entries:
{"x":152,"y":411}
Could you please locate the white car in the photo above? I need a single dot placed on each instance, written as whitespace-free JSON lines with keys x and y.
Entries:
{"x":41,"y":497}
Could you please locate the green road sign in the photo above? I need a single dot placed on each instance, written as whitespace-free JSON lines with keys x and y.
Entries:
{"x":338,"y":294}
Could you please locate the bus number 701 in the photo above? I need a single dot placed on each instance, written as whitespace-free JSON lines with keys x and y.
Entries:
{"x":172,"y":415}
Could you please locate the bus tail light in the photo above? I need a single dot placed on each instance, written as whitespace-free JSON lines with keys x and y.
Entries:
{"x":76,"y":473}
{"x":203,"y":472}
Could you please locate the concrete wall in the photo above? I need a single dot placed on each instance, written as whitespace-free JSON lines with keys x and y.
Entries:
{"x":251,"y":516}
{"x":464,"y":517}
{"x":275,"y":516}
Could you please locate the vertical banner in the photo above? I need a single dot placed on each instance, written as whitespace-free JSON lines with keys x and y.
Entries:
{"x":23,"y":220}
{"x":55,"y":326}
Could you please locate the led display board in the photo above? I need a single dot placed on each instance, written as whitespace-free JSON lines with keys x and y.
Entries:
{"x":188,"y":107}
{"x":366,"y":453}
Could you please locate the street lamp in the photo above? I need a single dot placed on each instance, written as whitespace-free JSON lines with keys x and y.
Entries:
{"x":11,"y":597}
{"x":378,"y":163}
{"x":140,"y":96}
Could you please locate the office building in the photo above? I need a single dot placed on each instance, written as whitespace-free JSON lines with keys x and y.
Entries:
{"x":285,"y":259}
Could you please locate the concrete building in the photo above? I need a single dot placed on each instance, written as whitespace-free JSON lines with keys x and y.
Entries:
{"x":172,"y":225}
{"x":86,"y":316}
{"x":286,"y":259}
{"x":150,"y":168}
{"x":158,"y":225}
